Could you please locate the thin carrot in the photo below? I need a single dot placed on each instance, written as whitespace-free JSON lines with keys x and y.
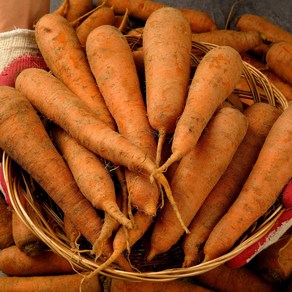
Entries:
{"x":77,"y":8}
{"x":196,"y":175}
{"x":167,"y":57}
{"x":64,"y":283}
{"x":90,"y":174}
{"x":199,"y":21}
{"x":101,"y":16}
{"x":241,"y":41}
{"x":270,"y":173}
{"x":14,"y":262}
{"x":64,"y":55}
{"x":6,"y":235}
{"x":71,"y":232}
{"x":25,"y":140}
{"x":260,"y":117}
{"x":83,"y":125}
{"x":279,"y":60}
{"x":214,"y":80}
{"x":113,"y":66}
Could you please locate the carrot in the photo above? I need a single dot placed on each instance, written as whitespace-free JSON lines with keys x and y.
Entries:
{"x":125,"y":239}
{"x":77,"y":8}
{"x":24,"y":238}
{"x":196,"y":175}
{"x":62,"y":9}
{"x":71,"y":232}
{"x":83,"y":125}
{"x":6,"y":235}
{"x":287,"y":195}
{"x":223,"y":278}
{"x":270,"y":173}
{"x":109,"y":54}
{"x":167,"y":57}
{"x":118,"y":285}
{"x":279,"y":60}
{"x":25,"y":140}
{"x":90,"y":174}
{"x":274,"y":263}
{"x":142,"y":9}
{"x":64,"y":55}
{"x":214,"y":80}
{"x":241,"y":41}
{"x":14,"y":262}
{"x":101,"y":16}
{"x":65,"y":283}
{"x":260,"y":117}
{"x":272,"y":31}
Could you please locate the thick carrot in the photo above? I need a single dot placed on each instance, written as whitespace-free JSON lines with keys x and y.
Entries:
{"x":214,"y":80}
{"x":14,"y":262}
{"x":260,"y":117}
{"x":196,"y":175}
{"x":6,"y":235}
{"x":279,"y":60}
{"x":64,"y":55}
{"x":272,"y":31}
{"x":241,"y":41}
{"x":142,"y":9}
{"x":101,"y":16}
{"x":64,"y":283}
{"x":118,"y":285}
{"x":113,"y":66}
{"x":25,"y":140}
{"x":83,"y":125}
{"x":270,"y":173}
{"x":223,"y":278}
{"x":167,"y":56}
{"x":90,"y":174}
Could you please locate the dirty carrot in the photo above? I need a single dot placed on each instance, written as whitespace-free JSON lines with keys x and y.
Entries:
{"x":199,"y":21}
{"x":73,"y":9}
{"x":167,"y":56}
{"x":269,"y":175}
{"x":214,"y":80}
{"x":65,"y":57}
{"x":83,"y":125}
{"x":70,"y":231}
{"x":90,"y":174}
{"x":14,"y":262}
{"x":25,"y":140}
{"x":6,"y":235}
{"x":111,"y":61}
{"x":279,"y":60}
{"x":260,"y":117}
{"x":64,"y":283}
{"x":196,"y":175}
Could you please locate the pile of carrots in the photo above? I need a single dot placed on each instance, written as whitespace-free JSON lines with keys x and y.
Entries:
{"x":136,"y":137}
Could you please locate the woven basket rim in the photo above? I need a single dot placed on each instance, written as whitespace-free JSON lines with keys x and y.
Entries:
{"x":38,"y":225}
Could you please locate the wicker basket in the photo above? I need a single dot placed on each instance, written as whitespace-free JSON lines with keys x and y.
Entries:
{"x":167,"y":267}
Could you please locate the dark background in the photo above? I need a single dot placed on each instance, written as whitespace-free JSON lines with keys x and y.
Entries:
{"x":278,"y":12}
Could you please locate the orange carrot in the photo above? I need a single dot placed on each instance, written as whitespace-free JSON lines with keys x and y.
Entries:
{"x":223,"y":278}
{"x":14,"y":262}
{"x":270,"y":173}
{"x":25,"y":140}
{"x":6,"y":235}
{"x":260,"y":117}
{"x":101,"y":16}
{"x":196,"y":175}
{"x":214,"y":80}
{"x":70,"y":231}
{"x":109,"y":54}
{"x":279,"y":60}
{"x":272,"y":31}
{"x":62,"y":9}
{"x":64,"y":55}
{"x":167,"y":57}
{"x":90,"y":174}
{"x":118,"y":285}
{"x":77,"y":8}
{"x":83,"y":125}
{"x":241,"y":41}
{"x":274,"y":263}
{"x":64,"y":283}
{"x":142,"y":9}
